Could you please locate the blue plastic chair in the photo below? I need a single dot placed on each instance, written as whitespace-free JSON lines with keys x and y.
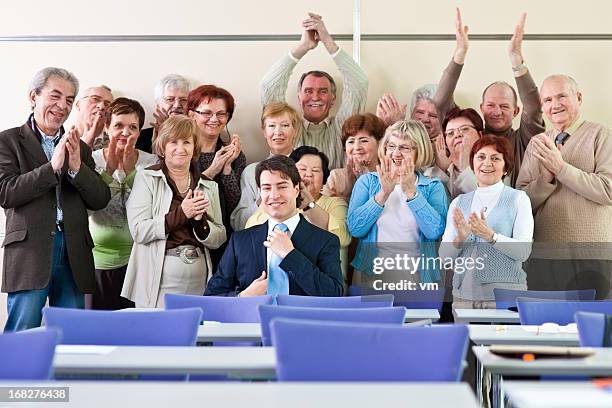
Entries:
{"x":426,"y":299}
{"x":332,"y":351}
{"x":27,"y":355}
{"x":335,"y":302}
{"x":506,"y":298}
{"x":101,"y":327}
{"x":390,"y":315}
{"x":225,"y":309}
{"x":536,"y":312}
{"x":591,"y":328}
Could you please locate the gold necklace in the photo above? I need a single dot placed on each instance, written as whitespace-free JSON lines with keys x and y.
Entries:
{"x":188,"y":185}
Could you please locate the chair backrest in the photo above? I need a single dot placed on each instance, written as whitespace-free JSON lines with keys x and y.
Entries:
{"x":505,"y":298}
{"x":225,"y":309}
{"x":326,"y":351}
{"x":591,"y":328}
{"x":27,"y":355}
{"x":418,"y":299}
{"x":390,"y":315}
{"x":101,"y":327}
{"x":335,"y":302}
{"x":536,"y":312}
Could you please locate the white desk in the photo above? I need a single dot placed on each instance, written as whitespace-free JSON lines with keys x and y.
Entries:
{"x":281,"y":395}
{"x":553,"y":394}
{"x":232,"y":332}
{"x":597,"y":365}
{"x":513,"y":334}
{"x":487,"y":316}
{"x":259,"y":362}
{"x":413,"y":315}
{"x":251,"y":332}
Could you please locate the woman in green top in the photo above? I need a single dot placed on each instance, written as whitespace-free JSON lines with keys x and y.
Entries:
{"x":117,"y":165}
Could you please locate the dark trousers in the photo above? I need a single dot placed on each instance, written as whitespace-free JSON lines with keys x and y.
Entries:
{"x":109,"y":283}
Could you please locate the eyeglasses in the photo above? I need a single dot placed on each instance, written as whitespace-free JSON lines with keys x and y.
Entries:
{"x":209,"y":114}
{"x":404,"y":149}
{"x":459,"y":131}
{"x":96,"y":99}
{"x":171,"y":99}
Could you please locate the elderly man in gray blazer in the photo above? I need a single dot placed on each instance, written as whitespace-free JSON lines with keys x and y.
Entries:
{"x":47,"y":184}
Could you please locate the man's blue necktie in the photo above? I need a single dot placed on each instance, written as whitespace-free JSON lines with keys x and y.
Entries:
{"x":561,"y":138}
{"x":278,"y":281}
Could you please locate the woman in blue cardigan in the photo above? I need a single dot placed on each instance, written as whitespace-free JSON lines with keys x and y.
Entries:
{"x":397,"y":213}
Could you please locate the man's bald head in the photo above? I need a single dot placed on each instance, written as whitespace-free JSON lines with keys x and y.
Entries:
{"x":499,"y":106}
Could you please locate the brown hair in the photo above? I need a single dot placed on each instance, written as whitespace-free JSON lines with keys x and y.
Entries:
{"x":366,"y":122}
{"x":177,"y":127}
{"x":285,"y":166}
{"x":469,"y":114}
{"x":499,"y":143}
{"x":125,"y":106}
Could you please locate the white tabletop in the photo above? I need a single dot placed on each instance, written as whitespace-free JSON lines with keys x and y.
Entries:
{"x":251,"y":332}
{"x":556,"y":394}
{"x":240,"y":361}
{"x":413,"y":315}
{"x":281,"y":395}
{"x":486,"y":316}
{"x":599,"y":364}
{"x":513,"y":334}
{"x":234,"y":332}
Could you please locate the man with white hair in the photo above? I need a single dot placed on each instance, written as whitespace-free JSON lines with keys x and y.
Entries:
{"x":47,"y":183}
{"x":567,"y":174}
{"x":91,"y":109}
{"x":170,"y":99}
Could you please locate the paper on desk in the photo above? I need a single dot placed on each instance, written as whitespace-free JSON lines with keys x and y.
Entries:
{"x":83,"y":349}
{"x":552,"y":328}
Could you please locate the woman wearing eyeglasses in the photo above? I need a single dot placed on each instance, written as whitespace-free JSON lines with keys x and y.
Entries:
{"x":489,"y":231}
{"x":212,"y":108}
{"x":462,"y":128}
{"x":397,"y":210}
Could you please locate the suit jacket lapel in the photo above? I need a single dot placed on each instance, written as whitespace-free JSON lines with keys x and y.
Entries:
{"x":32,"y":145}
{"x":260,"y":234}
{"x":301,"y":234}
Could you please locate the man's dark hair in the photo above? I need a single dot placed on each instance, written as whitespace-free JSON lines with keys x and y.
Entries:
{"x":285,"y":166}
{"x":318,"y":74}
{"x":301,"y":151}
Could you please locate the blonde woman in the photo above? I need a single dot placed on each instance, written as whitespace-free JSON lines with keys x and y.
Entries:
{"x":397,"y":210}
{"x":174,"y":217}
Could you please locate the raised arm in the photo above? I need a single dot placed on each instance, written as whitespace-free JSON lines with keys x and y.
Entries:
{"x":443,"y":98}
{"x":274,"y":83}
{"x":531,"y":119}
{"x":354,"y":78}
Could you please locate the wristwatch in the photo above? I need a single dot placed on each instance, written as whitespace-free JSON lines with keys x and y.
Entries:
{"x":309,"y":206}
{"x":494,"y":239}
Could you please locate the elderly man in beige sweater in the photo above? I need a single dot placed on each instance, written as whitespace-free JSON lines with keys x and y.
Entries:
{"x":567,"y":173}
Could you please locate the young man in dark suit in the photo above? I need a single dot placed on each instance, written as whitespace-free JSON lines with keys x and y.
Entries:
{"x":287,"y":254}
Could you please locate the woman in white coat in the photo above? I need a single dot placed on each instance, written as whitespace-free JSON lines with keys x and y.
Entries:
{"x":175,"y":218}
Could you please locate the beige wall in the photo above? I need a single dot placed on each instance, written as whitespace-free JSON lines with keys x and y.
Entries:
{"x":132,"y":68}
